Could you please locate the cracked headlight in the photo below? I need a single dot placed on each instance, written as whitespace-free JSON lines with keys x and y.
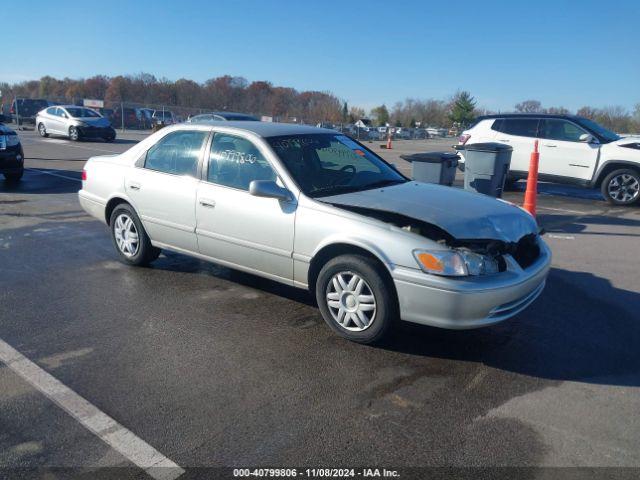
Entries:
{"x":455,"y":263}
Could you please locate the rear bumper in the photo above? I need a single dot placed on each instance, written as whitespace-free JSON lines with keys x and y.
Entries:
{"x":92,"y":206}
{"x":465,"y":304}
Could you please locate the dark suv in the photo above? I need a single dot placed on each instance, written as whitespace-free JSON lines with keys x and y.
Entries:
{"x":24,"y":110}
{"x":11,"y":154}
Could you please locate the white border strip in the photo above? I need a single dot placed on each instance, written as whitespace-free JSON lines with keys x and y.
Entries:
{"x":99,"y":423}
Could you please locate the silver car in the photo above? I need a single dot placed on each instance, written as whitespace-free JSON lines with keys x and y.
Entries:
{"x":314,"y":209}
{"x":74,"y":122}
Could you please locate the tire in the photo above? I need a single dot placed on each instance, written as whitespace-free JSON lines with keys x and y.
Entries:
{"x":110,"y":138}
{"x":14,"y":177}
{"x":140,"y":253}
{"x":42,"y":130}
{"x":376,"y":300}
{"x":74,"y":134}
{"x":621,"y":187}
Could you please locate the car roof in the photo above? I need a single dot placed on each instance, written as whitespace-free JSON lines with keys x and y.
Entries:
{"x":268,"y":129}
{"x":528,"y":115}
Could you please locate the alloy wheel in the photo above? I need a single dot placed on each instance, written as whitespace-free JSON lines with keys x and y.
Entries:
{"x":624,"y":188}
{"x":126,"y":235}
{"x":351,"y":301}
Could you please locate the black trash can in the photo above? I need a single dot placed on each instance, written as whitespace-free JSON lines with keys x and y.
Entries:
{"x":433,"y":167}
{"x":485,"y":167}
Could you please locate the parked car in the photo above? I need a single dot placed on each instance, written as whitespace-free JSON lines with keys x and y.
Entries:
{"x":107,"y":113}
{"x":11,"y":154}
{"x":373,"y":246}
{"x":164,"y":117}
{"x":222,"y":117}
{"x":76,"y":123}
{"x":145,"y":118}
{"x":125,"y":118}
{"x":436,"y":132}
{"x":573,"y":150}
{"x":376,"y":134}
{"x":24,"y":110}
{"x":402,"y":133}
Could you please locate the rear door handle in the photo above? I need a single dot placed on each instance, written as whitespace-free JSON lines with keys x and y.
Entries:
{"x":506,"y":140}
{"x":550,"y":145}
{"x":134,"y":186}
{"x":205,"y":202}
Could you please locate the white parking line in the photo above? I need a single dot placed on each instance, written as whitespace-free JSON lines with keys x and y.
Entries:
{"x":46,"y":172}
{"x":564,"y":210}
{"x":67,"y":143}
{"x":99,"y":423}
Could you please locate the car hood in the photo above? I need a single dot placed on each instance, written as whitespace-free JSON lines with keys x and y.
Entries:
{"x":464,"y":215}
{"x":95,"y":122}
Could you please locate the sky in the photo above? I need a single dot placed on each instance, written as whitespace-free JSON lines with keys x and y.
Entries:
{"x":562,"y":53}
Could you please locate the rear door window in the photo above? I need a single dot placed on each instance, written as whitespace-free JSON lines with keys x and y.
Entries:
{"x":558,"y":129}
{"x":520,"y":127}
{"x":177,"y":153}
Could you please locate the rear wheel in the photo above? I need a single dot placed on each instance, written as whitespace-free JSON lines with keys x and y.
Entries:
{"x":621,"y":187}
{"x":74,"y":134}
{"x":129,"y":237}
{"x":42,"y":130}
{"x":356,"y":299}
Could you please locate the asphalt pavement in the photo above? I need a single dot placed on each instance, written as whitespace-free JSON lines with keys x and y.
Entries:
{"x":211,"y":367}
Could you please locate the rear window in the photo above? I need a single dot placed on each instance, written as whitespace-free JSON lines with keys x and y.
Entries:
{"x":521,"y":127}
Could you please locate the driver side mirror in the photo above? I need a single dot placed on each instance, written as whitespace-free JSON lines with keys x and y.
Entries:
{"x":269,"y":189}
{"x":587,"y":138}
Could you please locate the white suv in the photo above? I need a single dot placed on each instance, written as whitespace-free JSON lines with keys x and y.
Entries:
{"x":572,"y":150}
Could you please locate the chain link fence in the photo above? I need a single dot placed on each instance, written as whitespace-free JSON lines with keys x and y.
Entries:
{"x":144,"y":117}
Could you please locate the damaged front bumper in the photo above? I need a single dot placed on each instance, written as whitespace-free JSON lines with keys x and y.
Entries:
{"x":470,"y":302}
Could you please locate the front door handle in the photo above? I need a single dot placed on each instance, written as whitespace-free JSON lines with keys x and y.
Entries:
{"x":205,"y":202}
{"x":550,"y":145}
{"x":506,"y":140}
{"x":134,"y":186}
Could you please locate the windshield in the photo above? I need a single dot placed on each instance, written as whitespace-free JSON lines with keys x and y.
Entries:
{"x":607,"y":135}
{"x":327,"y":164}
{"x":82,"y":113}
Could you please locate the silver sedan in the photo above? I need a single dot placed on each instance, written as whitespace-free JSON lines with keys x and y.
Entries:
{"x":314,"y":209}
{"x":74,"y":122}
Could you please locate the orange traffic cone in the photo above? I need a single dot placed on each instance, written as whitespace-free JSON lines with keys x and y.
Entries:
{"x":389,"y":141}
{"x":531,"y":194}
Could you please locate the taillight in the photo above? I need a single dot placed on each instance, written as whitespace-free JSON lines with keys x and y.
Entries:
{"x":464,"y":138}
{"x":84,"y":175}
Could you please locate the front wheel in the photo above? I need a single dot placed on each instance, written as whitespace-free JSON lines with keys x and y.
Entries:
{"x":74,"y":134}
{"x":14,"y":177}
{"x":129,"y":237}
{"x":42,"y":130}
{"x":356,"y":300}
{"x":621,"y":187}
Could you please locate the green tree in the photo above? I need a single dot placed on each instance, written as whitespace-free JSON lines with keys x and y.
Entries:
{"x":412,"y":124}
{"x":381,"y":114}
{"x":462,"y":108}
{"x":345,"y":112}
